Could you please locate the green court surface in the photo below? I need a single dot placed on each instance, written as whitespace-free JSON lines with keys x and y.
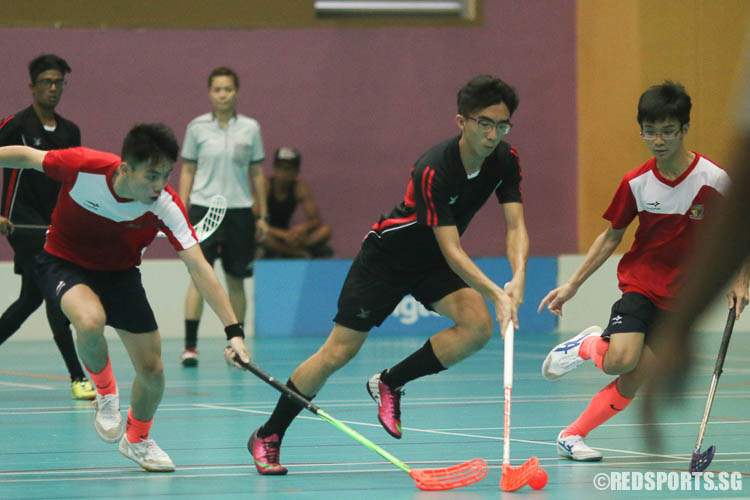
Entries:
{"x":49,"y":449}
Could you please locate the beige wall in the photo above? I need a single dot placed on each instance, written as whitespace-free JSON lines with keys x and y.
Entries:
{"x":593,"y":302}
{"x":625,"y":46}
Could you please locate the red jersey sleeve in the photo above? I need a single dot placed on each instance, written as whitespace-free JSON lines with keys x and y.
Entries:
{"x":431,"y":197}
{"x":623,"y":208}
{"x":64,"y":164}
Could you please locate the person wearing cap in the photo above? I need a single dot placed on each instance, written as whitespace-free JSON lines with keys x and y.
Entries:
{"x":285,"y":193}
{"x":222,"y":152}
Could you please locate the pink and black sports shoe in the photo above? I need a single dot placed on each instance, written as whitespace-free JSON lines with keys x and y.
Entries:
{"x":389,"y":405}
{"x":265,"y":452}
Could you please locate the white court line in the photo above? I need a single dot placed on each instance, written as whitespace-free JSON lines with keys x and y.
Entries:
{"x":28,"y":386}
{"x":130,"y":477}
{"x":456,"y":434}
{"x":414,"y":402}
{"x":295,"y":469}
{"x":527,"y":427}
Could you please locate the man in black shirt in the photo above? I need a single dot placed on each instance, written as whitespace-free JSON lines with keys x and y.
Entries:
{"x":29,"y":197}
{"x":416,"y":250}
{"x":285,"y":192}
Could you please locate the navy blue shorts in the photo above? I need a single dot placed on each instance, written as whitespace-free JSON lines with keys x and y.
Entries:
{"x":233,"y":241}
{"x":371,"y":292}
{"x":634,"y":312}
{"x":120,"y":292}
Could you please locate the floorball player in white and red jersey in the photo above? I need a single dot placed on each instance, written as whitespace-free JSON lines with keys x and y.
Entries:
{"x":671,"y":195}
{"x":109,"y":210}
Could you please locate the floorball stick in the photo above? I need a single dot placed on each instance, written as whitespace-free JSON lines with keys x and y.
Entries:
{"x":699,"y":461}
{"x":512,"y":478}
{"x":426,"y":479}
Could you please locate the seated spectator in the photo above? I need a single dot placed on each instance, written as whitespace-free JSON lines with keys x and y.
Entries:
{"x":285,"y":192}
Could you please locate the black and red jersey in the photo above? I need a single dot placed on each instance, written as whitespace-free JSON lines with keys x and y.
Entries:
{"x":28,"y":196}
{"x":440,"y":193}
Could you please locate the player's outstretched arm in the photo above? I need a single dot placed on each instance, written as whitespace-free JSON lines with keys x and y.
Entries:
{"x":259,"y":185}
{"x":210,"y":288}
{"x":21,"y":157}
{"x":460,"y":262}
{"x":604,"y":245}
{"x":739,"y":294}
{"x":187,"y":176}
{"x":517,"y":248}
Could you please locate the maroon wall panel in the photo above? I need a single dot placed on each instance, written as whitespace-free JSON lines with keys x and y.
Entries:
{"x":361,"y":105}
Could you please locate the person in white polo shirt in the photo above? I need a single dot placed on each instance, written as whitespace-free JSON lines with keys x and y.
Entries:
{"x":223,"y":154}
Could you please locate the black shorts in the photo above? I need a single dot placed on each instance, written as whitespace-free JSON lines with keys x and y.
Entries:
{"x":371,"y":292}
{"x":634,"y":312}
{"x":120,"y":292}
{"x":233,"y":241}
{"x":26,"y":244}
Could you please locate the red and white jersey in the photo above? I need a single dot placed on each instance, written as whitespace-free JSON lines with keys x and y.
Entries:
{"x":669,"y":212}
{"x":96,"y":229}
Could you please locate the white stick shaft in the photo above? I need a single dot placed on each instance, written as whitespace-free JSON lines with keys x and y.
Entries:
{"x":508,"y":361}
{"x":508,"y":389}
{"x":707,"y":411}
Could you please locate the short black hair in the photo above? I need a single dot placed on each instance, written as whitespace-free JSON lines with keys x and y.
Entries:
{"x":484,"y":91}
{"x":46,"y":62}
{"x":150,"y":143}
{"x":224,"y":71}
{"x":665,"y":101}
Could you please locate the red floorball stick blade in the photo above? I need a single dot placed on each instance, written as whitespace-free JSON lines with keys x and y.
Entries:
{"x":451,"y":477}
{"x":514,"y":479}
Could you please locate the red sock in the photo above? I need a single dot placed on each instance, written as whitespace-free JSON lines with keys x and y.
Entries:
{"x":604,"y":405}
{"x":104,"y":380}
{"x":137,"y":430}
{"x":594,"y":347}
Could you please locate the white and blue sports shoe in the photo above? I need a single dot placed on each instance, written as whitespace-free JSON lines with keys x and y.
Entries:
{"x":574,"y":448}
{"x":564,"y":357}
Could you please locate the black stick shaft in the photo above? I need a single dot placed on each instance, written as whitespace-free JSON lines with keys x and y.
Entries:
{"x":725,"y":342}
{"x":717,"y":373}
{"x":31,"y":226}
{"x":276,"y":384}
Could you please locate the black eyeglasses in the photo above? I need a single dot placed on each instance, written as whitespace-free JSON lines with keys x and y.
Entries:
{"x":48,"y":82}
{"x":666,"y":134}
{"x":486,"y":125}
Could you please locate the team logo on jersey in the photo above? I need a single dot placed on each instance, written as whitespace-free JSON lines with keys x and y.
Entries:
{"x":92,"y":204}
{"x":36,"y":142}
{"x":453,"y":200}
{"x":654,"y":205}
{"x":363,"y":313}
{"x":696,"y":212}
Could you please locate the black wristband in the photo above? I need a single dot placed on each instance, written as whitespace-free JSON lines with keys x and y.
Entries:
{"x":234,"y":330}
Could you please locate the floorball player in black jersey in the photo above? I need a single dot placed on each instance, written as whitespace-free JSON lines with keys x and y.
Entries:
{"x":29,"y":197}
{"x":416,"y":250}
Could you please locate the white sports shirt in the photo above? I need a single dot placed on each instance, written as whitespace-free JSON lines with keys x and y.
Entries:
{"x":223,"y":156}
